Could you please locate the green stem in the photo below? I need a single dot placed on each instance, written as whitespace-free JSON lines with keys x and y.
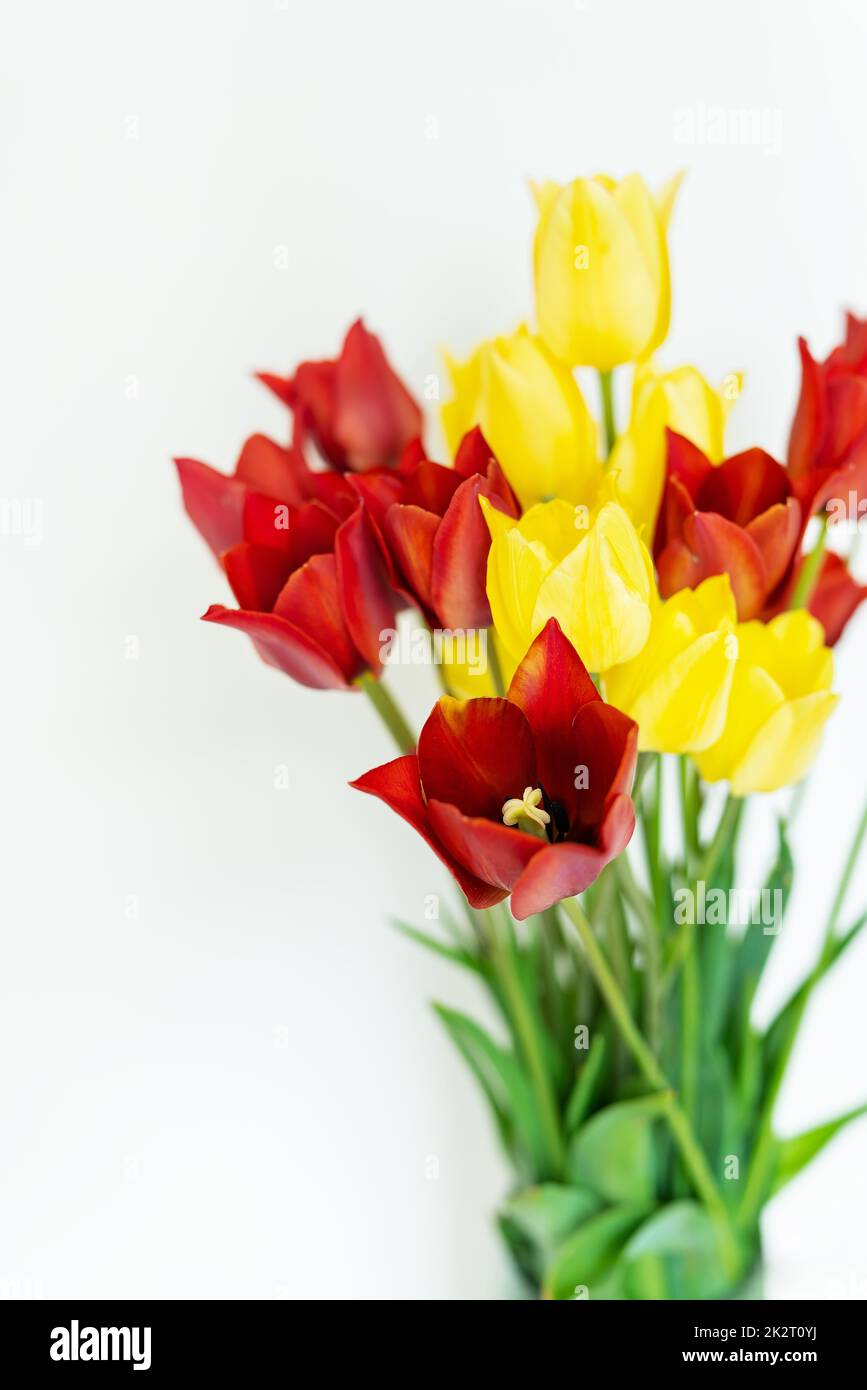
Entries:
{"x":503,"y":959}
{"x":680,"y":944}
{"x":606,"y":380}
{"x":809,"y":576}
{"x":388,"y":711}
{"x":494,"y":666}
{"x":690,"y":999}
{"x":643,"y":910}
{"x":763,"y":1154}
{"x":651,"y":827}
{"x":689,"y":812}
{"x":693,"y":1156}
{"x":728,"y":820}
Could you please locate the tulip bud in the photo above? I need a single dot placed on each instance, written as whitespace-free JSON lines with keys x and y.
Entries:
{"x":603,"y":294}
{"x":677,"y":688}
{"x":780,"y":699}
{"x":531,"y":413}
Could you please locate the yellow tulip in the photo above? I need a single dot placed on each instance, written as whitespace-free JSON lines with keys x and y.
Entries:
{"x":603,"y":294}
{"x":681,"y":400}
{"x":532,"y":415}
{"x":595,"y":578}
{"x":677,"y":688}
{"x":780,"y":699}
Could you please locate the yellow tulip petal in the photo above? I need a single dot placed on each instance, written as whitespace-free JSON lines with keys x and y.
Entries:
{"x":600,"y":593}
{"x":555,"y":524}
{"x":516,"y":570}
{"x":596,"y":298}
{"x":785,"y":745}
{"x":537,"y":422}
{"x":677,"y":688}
{"x":684,"y":709}
{"x":468,"y":680}
{"x":667,"y":195}
{"x":753,"y":698}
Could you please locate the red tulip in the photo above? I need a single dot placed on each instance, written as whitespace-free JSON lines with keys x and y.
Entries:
{"x":828,"y":441}
{"x":552,"y":757}
{"x":834,"y":600}
{"x":303,"y":553}
{"x":438,"y":536}
{"x":739,"y":517}
{"x":355,"y":409}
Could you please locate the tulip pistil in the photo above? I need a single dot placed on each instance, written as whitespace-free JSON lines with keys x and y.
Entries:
{"x":527,"y":811}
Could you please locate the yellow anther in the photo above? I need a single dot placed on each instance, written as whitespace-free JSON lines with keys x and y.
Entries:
{"x":526,"y":808}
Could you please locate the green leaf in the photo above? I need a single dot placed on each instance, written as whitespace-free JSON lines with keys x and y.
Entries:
{"x":794,"y":1154}
{"x":503,"y":1082}
{"x":675,"y":1254}
{"x":441,"y":948}
{"x":587,"y":1256}
{"x":777,"y":1031}
{"x":540,"y":1218}
{"x":755,"y":945}
{"x":842,"y":942}
{"x":584,"y":1090}
{"x":615,"y":1152}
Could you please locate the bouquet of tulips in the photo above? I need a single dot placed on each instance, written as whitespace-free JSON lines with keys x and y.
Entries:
{"x":617,"y":616}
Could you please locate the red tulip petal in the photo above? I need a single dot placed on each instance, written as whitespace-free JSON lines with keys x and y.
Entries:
{"x":777,"y":532}
{"x":281,"y":644}
{"x":277,"y":472}
{"x":850,"y":356}
{"x":460,"y":555}
{"x":476,"y":754}
{"x":551,"y":685}
{"x":336,"y":492}
{"x":562,"y":870}
{"x":368,"y":601}
{"x":686,"y":462}
{"x":743,"y":487}
{"x":808,"y":425}
{"x":846,"y":398}
{"x":410,"y":532}
{"x":257,"y":574}
{"x":412,"y":454}
{"x":397,"y":784}
{"x":267,"y":521}
{"x":605,"y":742}
{"x":213,"y":502}
{"x":490,"y":850}
{"x":282,"y":386}
{"x":379,"y":490}
{"x":375,"y":416}
{"x":474,"y":454}
{"x":836,"y":597}
{"x":431,"y":487}
{"x":677,"y":505}
{"x":312,"y":531}
{"x":310,"y":601}
{"x":314,"y":404}
{"x":711,"y":545}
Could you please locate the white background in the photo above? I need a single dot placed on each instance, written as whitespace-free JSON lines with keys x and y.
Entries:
{"x":241,"y":1091}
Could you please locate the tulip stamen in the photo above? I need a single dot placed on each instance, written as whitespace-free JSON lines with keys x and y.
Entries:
{"x":526,"y":811}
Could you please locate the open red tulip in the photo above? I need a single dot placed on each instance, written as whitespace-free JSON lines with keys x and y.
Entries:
{"x":740,"y":517}
{"x":303,"y":553}
{"x":527,"y":795}
{"x":355,"y":408}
